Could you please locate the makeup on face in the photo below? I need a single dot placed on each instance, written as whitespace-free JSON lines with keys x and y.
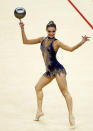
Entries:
{"x":51,"y":31}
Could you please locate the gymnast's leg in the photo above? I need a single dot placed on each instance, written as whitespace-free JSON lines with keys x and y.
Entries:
{"x":62,"y":83}
{"x":43,"y":81}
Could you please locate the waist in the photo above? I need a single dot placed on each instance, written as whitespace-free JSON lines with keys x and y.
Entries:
{"x":50,"y":66}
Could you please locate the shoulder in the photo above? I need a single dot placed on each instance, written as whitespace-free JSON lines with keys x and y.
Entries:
{"x":41,"y":38}
{"x":59,"y":43}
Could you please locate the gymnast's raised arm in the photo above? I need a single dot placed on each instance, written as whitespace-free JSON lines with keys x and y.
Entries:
{"x":24,"y":38}
{"x":69,"y":48}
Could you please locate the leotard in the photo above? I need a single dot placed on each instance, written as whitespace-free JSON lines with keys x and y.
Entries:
{"x":51,"y":63}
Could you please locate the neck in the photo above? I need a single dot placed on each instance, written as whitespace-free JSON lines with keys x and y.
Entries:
{"x":50,"y":38}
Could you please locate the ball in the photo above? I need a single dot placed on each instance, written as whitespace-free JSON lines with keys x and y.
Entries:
{"x":19,"y":12}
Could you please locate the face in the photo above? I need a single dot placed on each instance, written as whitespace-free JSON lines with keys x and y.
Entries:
{"x":51,"y":31}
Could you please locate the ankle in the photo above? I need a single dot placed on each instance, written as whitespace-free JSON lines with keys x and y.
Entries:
{"x":39,"y":111}
{"x":71,"y":115}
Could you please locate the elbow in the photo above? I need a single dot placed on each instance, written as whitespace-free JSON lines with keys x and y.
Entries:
{"x":71,"y":49}
{"x":24,"y":41}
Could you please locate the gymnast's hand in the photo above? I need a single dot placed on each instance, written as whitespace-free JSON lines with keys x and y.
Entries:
{"x":21,"y":24}
{"x":85,"y":38}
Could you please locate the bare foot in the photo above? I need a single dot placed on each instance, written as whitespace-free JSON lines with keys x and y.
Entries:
{"x":38,"y":115}
{"x":72,"y":121}
{"x":72,"y":127}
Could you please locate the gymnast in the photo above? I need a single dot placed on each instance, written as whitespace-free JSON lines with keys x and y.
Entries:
{"x":49,"y":46}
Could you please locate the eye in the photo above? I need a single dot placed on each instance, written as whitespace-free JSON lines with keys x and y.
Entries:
{"x":51,"y":31}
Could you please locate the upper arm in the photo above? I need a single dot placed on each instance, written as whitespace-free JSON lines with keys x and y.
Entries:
{"x":34,"y":41}
{"x":63,"y":46}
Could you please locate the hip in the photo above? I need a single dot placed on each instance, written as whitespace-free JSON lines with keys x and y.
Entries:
{"x":52,"y":71}
{"x":55,"y":65}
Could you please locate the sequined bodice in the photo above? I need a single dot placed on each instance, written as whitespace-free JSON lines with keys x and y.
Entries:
{"x":49,"y":53}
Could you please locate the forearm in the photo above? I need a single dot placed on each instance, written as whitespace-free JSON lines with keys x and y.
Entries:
{"x":77,"y":46}
{"x":24,"y":38}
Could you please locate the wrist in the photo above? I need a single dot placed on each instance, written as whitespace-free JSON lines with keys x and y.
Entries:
{"x":22,"y":28}
{"x":82,"y":42}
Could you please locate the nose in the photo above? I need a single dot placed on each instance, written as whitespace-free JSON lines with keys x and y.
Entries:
{"x":51,"y":33}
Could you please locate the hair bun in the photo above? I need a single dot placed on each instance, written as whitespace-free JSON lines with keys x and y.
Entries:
{"x":51,"y":22}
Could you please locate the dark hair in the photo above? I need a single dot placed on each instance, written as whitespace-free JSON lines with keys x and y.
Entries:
{"x":51,"y":24}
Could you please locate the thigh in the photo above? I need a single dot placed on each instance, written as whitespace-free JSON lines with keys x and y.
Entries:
{"x":43,"y":81}
{"x":61,"y":81}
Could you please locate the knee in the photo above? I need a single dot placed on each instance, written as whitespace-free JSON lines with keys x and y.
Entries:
{"x":66,"y":94}
{"x":38,"y":88}
{"x":39,"y":92}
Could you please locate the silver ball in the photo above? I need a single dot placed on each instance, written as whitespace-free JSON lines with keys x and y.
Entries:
{"x":19,"y":12}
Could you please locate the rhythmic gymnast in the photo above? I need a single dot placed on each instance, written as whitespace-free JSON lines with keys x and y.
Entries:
{"x":49,"y":47}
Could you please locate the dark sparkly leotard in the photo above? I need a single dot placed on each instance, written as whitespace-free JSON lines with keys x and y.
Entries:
{"x":52,"y":65}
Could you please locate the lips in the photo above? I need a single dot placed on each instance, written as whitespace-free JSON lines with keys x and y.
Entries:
{"x":51,"y":35}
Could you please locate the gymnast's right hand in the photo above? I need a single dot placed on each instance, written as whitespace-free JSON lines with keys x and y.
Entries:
{"x":21,"y":24}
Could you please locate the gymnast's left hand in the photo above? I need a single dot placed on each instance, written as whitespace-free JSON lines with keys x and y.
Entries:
{"x":85,"y":38}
